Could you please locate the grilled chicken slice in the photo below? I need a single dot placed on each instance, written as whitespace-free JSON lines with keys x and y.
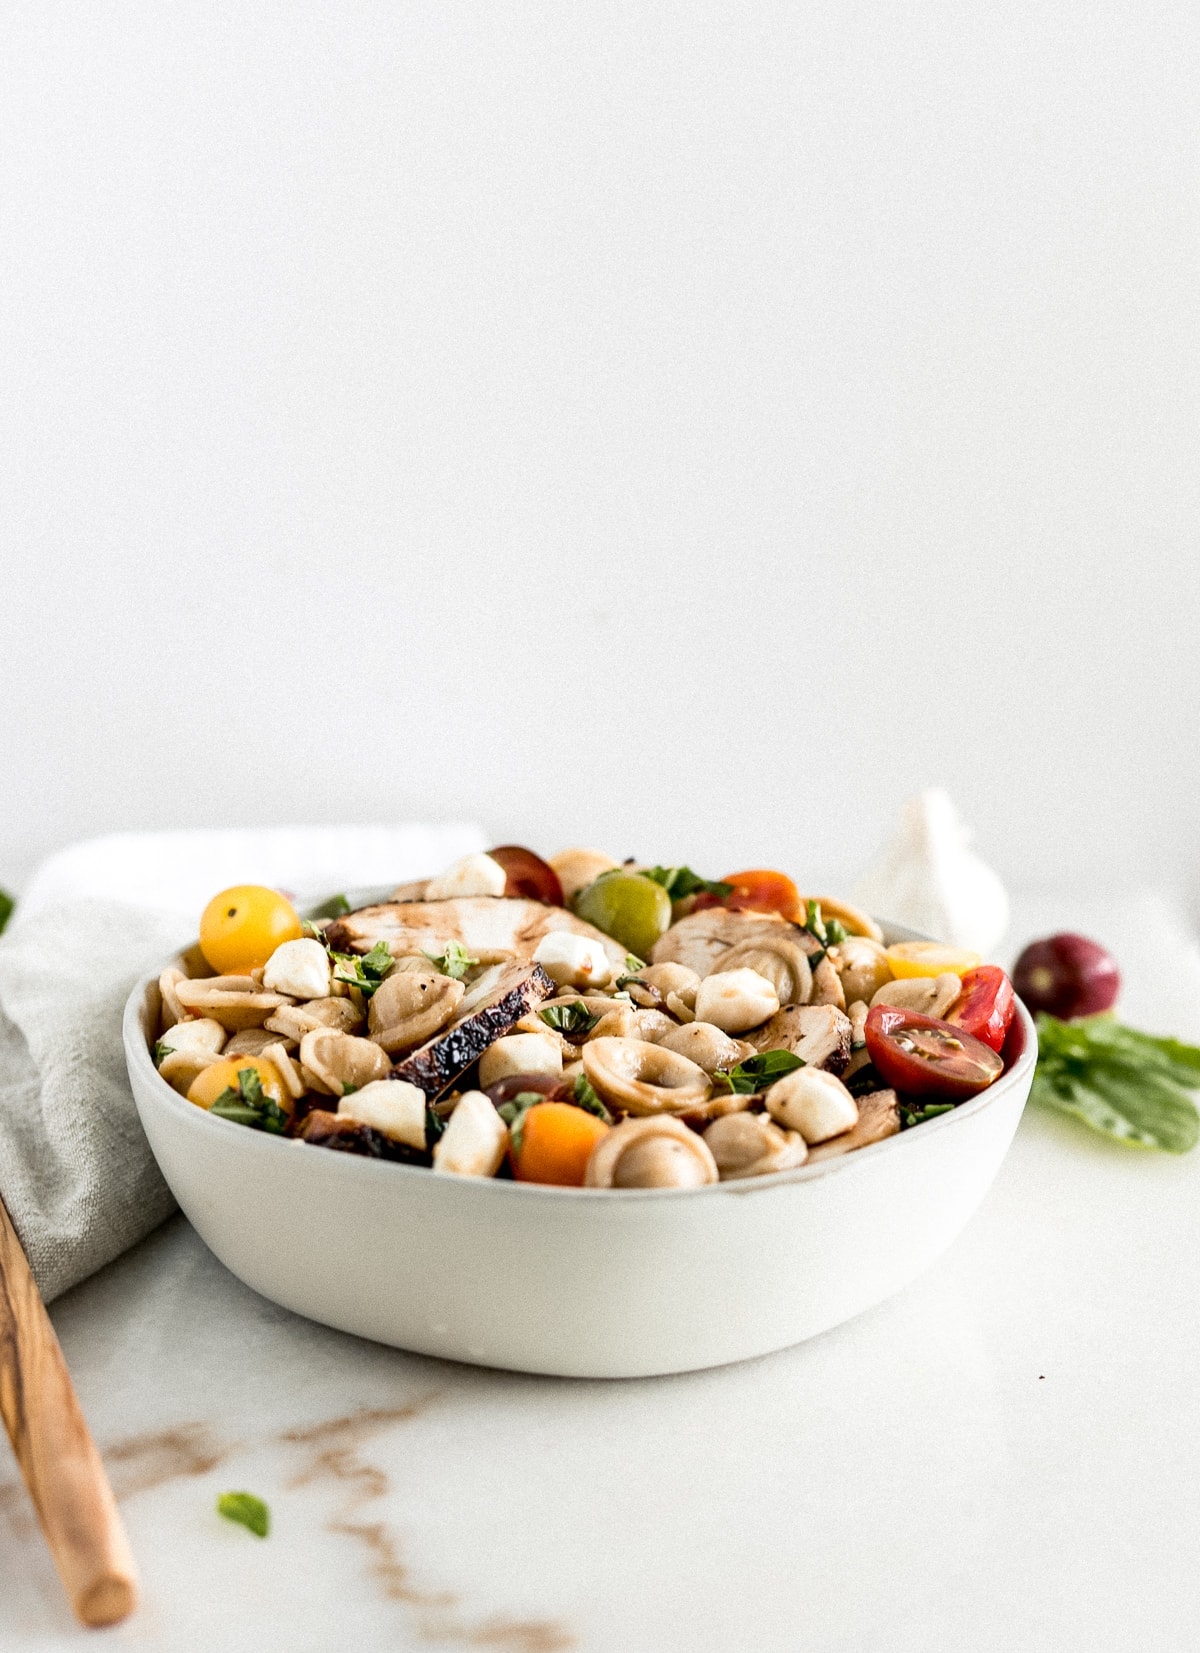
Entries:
{"x":700,"y":939}
{"x":878,"y":1117}
{"x":491,"y":928}
{"x":492,"y":1008}
{"x":818,"y":1033}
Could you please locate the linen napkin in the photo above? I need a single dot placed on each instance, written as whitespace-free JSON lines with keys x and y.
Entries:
{"x":76,"y":1172}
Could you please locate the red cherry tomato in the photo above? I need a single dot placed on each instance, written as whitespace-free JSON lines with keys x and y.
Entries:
{"x":528,"y":875}
{"x":924,"y":1057}
{"x":985,"y":1006}
{"x":764,"y":891}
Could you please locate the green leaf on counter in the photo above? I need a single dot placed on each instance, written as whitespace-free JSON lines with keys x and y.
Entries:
{"x":680,"y":882}
{"x":573,"y":1021}
{"x":6,"y":909}
{"x":247,"y":1510}
{"x":756,"y":1073}
{"x":454,"y":962}
{"x":1130,"y":1086}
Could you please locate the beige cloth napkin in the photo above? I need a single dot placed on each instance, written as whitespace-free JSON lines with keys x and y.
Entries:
{"x":76,"y":1172}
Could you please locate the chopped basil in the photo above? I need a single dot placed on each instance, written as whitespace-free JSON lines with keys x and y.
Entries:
{"x":513,"y":1114}
{"x":6,"y":909}
{"x":828,"y":931}
{"x":365,"y":971}
{"x":245,"y":1508}
{"x":680,"y":882}
{"x":916,"y":1113}
{"x":633,"y":964}
{"x":336,"y":907}
{"x":250,"y":1105}
{"x":587,"y":1099}
{"x":454,"y":962}
{"x":573,"y":1021}
{"x":1126,"y":1084}
{"x":161,"y":1052}
{"x":756,"y":1073}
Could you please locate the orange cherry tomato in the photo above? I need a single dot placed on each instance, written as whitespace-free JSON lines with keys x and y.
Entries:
{"x":241,"y":928}
{"x":556,"y":1143}
{"x":764,"y":891}
{"x":222,"y":1076}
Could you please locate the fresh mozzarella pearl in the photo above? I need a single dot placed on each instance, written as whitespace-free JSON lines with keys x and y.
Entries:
{"x":813,"y":1102}
{"x":474,"y":1141}
{"x":572,"y":960}
{"x":392,"y":1107}
{"x":734,"y":1000}
{"x":519,"y":1053}
{"x":299,"y":968}
{"x":473,"y":875}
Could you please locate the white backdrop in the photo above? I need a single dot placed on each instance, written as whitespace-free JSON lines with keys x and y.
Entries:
{"x":688,"y":428}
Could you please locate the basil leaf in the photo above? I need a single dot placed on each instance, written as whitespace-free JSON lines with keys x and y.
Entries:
{"x":1128,"y":1085}
{"x":246,"y":1509}
{"x":454,"y":962}
{"x":573,"y":1021}
{"x":917,"y":1113}
{"x":161,"y":1052}
{"x":680,"y":882}
{"x":587,"y":1099}
{"x":229,"y":1105}
{"x":365,"y":971}
{"x":633,"y":964}
{"x":336,"y":907}
{"x":6,"y":909}
{"x":756,"y":1073}
{"x":250,"y":1105}
{"x":513,"y":1114}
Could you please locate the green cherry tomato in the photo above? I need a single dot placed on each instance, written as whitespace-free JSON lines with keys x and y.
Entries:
{"x":631,"y":909}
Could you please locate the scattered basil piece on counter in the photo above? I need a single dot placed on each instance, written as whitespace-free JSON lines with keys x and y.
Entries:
{"x":454,"y":962}
{"x":247,"y":1510}
{"x":756,"y":1073}
{"x":336,"y":907}
{"x":1128,"y":1085}
{"x":680,"y":882}
{"x":573,"y":1021}
{"x":6,"y":909}
{"x":365,"y":971}
{"x":587,"y":1099}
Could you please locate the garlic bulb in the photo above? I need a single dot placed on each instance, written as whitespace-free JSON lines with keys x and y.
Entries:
{"x":928,"y":879}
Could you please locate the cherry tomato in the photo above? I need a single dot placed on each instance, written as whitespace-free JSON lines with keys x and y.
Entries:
{"x":986,"y":1005}
{"x":929,"y":958}
{"x":241,"y":928}
{"x":764,"y":891}
{"x":528,"y":875}
{"x":222,"y":1076}
{"x":924,"y":1057}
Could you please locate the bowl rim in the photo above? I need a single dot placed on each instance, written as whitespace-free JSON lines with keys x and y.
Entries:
{"x":139,"y":1059}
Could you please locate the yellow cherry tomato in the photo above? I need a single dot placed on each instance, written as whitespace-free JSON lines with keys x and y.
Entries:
{"x":241,"y":928}
{"x":222,"y":1076}
{"x":929,"y":958}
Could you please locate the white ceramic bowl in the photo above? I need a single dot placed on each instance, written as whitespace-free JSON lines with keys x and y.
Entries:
{"x":574,"y":1282}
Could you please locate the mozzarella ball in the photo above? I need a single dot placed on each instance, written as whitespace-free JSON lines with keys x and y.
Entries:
{"x":299,"y":968}
{"x":813,"y":1102}
{"x":572,"y":960}
{"x":392,"y":1107}
{"x":520,"y":1053}
{"x":473,"y":875}
{"x":734,"y":1000}
{"x":473,"y":1143}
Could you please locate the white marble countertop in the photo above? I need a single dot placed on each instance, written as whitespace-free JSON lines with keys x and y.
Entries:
{"x":1003,"y":1457}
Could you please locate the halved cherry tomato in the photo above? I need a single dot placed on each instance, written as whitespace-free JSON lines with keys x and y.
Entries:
{"x":528,"y":875}
{"x":929,"y":958}
{"x":924,"y":1057}
{"x":986,"y":1005}
{"x":764,"y":891}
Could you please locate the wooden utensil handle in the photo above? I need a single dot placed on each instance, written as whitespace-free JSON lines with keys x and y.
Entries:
{"x":58,"y":1458}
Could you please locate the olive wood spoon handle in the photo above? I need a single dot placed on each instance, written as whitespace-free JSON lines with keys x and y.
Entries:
{"x":58,"y":1458}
